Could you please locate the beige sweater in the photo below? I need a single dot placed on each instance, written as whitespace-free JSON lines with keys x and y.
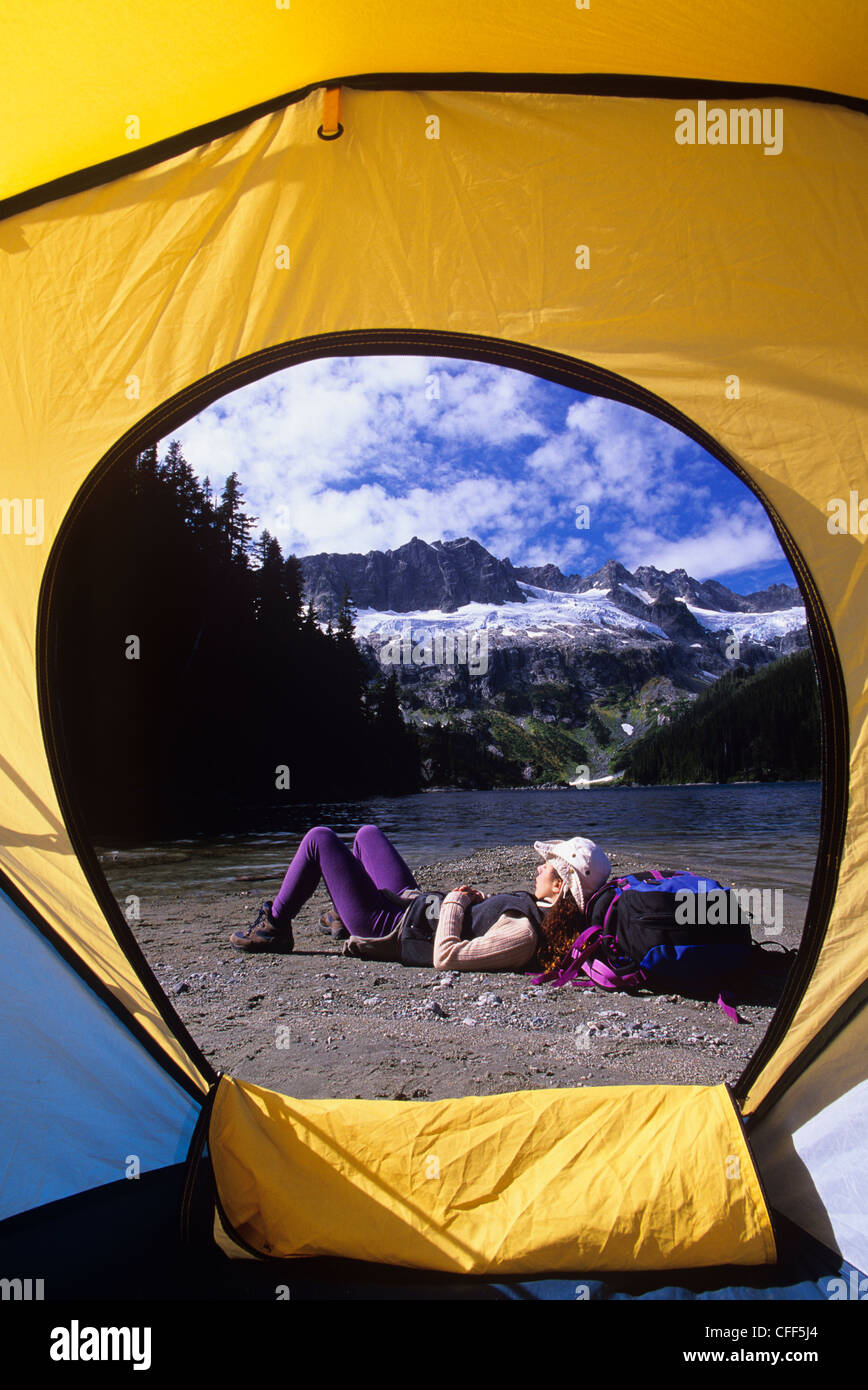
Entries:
{"x":509,"y":943}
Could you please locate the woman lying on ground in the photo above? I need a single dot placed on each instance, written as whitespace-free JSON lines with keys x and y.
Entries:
{"x":376,"y":897}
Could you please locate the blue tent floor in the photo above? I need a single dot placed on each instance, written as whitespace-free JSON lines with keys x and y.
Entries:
{"x":123,"y":1241}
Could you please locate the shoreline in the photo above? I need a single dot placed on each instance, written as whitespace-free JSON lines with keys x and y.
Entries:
{"x":616,"y":781}
{"x":106,"y":845}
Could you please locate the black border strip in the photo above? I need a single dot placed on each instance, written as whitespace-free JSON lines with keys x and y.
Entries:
{"x":579,"y":84}
{"x":100,"y":989}
{"x":567,"y":371}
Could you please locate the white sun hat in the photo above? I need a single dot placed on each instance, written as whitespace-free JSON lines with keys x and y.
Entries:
{"x":582,"y":865}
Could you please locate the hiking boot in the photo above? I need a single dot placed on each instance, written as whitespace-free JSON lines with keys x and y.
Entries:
{"x":265,"y":934}
{"x":330,"y":924}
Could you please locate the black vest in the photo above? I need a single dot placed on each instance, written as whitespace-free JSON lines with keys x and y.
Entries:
{"x":420,"y":924}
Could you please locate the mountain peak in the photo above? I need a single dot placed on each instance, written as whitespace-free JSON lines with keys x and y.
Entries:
{"x":415,"y":577}
{"x":608,"y":576}
{"x":444,"y":575}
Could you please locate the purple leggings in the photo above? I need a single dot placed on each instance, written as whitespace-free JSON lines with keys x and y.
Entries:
{"x":353,"y":880}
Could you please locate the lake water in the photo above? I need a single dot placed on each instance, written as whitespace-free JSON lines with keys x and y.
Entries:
{"x":752,"y":833}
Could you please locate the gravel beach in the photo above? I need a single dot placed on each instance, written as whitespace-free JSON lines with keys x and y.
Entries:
{"x":320,"y":1024}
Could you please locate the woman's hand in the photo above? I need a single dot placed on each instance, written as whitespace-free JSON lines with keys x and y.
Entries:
{"x":473,"y":893}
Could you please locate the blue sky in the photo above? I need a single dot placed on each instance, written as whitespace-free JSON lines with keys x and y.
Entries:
{"x":359,"y":454}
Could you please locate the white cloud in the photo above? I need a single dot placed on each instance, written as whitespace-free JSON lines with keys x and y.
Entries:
{"x":740,"y":539}
{"x":369,"y":517}
{"x":623,"y":455}
{"x":360,"y":454}
{"x":301,"y":438}
{"x":489,"y":406}
{"x":336,"y":419}
{"x":570,"y":557}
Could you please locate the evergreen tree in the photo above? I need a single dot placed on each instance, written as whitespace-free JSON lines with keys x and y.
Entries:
{"x":293,"y":583}
{"x":233,"y":523}
{"x":347,"y":615}
{"x":145,"y":473}
{"x":394,"y":745}
{"x":747,"y":727}
{"x":207,"y":502}
{"x":233,"y":679}
{"x":270,"y":602}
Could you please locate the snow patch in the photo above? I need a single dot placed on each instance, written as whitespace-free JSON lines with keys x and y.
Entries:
{"x":761,"y":627}
{"x":547,"y":609}
{"x":544,"y":610}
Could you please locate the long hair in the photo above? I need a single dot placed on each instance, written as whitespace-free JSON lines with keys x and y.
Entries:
{"x":561,"y":924}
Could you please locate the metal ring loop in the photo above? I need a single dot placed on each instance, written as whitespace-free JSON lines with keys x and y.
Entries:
{"x":334,"y":135}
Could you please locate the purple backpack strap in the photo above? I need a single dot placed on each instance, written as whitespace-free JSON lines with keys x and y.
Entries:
{"x":726,"y":1001}
{"x":603,"y":975}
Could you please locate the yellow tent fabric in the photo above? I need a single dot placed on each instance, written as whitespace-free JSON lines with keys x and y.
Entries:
{"x":646,"y":1177}
{"x":75,"y":75}
{"x":568,"y":233}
